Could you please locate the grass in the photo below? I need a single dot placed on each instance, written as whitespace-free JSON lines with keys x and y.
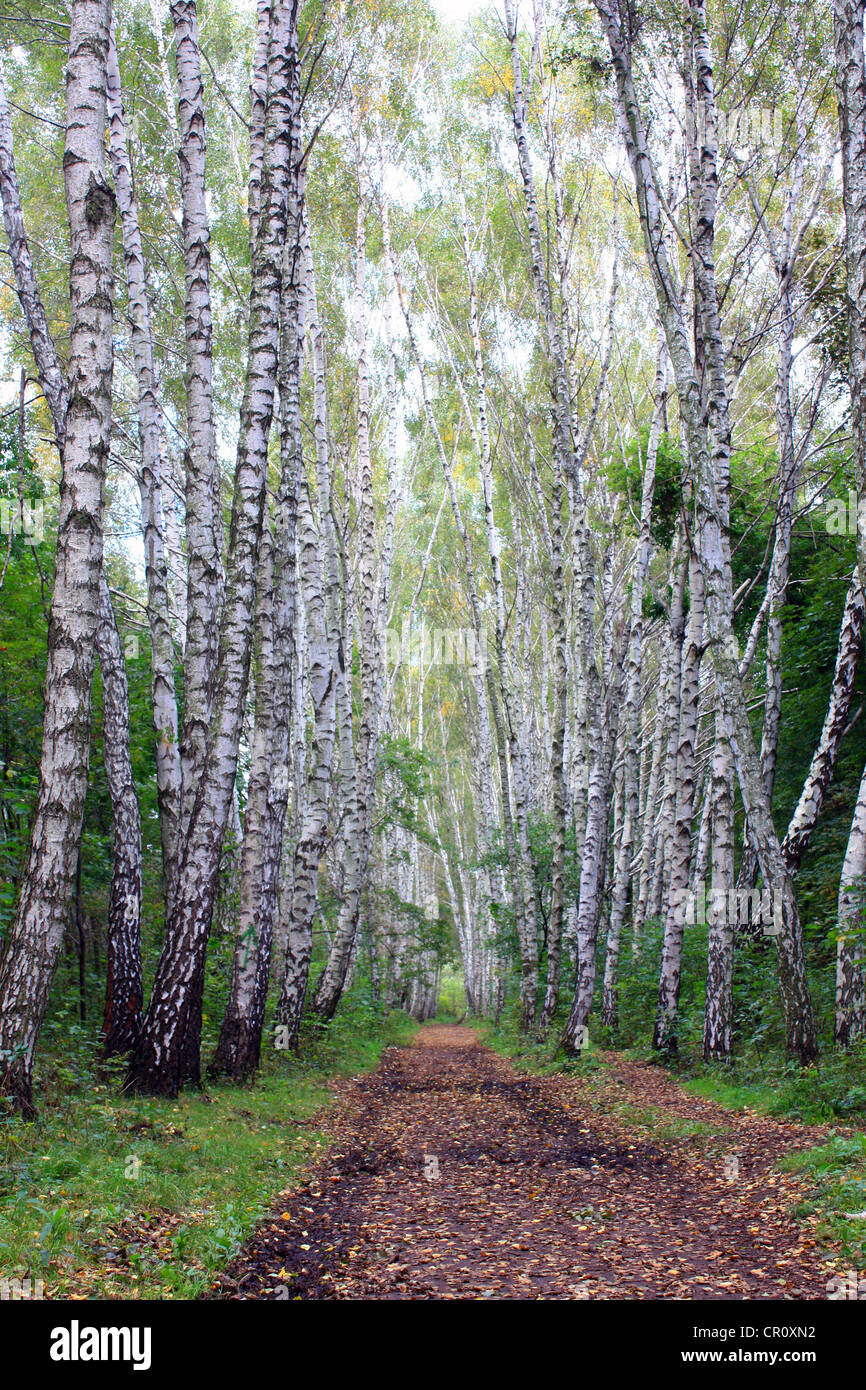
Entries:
{"x":106,"y":1196}
{"x":658,"y":1127}
{"x":544,"y":1056}
{"x":829,"y":1092}
{"x":734,"y":1095}
{"x":832,"y":1092}
{"x":838,"y":1174}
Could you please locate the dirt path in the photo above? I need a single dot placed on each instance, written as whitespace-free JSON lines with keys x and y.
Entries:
{"x":454,"y":1176}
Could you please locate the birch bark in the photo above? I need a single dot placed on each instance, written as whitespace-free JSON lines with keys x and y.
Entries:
{"x":664,"y":1038}
{"x":165,"y":721}
{"x":239,"y":1047}
{"x":35,"y":939}
{"x":165,"y":1057}
{"x":801,"y":1038}
{"x":631,"y":798}
{"x":124,"y":984}
{"x":719,"y":1012}
{"x":203,"y":511}
{"x":851,"y":93}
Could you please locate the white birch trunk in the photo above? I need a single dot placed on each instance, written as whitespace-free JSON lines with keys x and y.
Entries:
{"x":167,"y":1053}
{"x":35,"y":939}
{"x":709,"y":478}
{"x":165,"y":722}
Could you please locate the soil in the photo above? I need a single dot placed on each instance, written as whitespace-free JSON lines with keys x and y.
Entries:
{"x":450,"y":1174}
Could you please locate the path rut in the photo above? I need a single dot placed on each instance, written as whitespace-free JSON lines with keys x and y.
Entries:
{"x":452,"y":1175}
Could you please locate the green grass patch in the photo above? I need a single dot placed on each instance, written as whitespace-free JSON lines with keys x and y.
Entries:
{"x":544,"y":1056}
{"x":732,"y":1094}
{"x":109,"y":1196}
{"x":662,"y":1128}
{"x":832,"y":1091}
{"x":838,"y":1173}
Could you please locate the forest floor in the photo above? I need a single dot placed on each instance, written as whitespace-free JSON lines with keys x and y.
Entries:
{"x":449,"y":1174}
{"x":112,"y":1196}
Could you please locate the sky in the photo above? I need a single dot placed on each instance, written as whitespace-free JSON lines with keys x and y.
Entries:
{"x":458,"y":9}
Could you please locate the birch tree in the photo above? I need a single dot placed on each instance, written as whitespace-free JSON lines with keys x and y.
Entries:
{"x":268,"y":790}
{"x":710,"y":534}
{"x":34,"y":943}
{"x":165,"y":719}
{"x":851,"y":94}
{"x":162,"y":1058}
{"x":124,"y":985}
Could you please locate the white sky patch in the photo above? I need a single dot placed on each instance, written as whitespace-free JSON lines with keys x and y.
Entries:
{"x":401,"y":187}
{"x":455,"y":11}
{"x":8,"y":388}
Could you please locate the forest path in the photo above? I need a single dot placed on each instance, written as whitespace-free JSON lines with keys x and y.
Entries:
{"x":452,"y":1175}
